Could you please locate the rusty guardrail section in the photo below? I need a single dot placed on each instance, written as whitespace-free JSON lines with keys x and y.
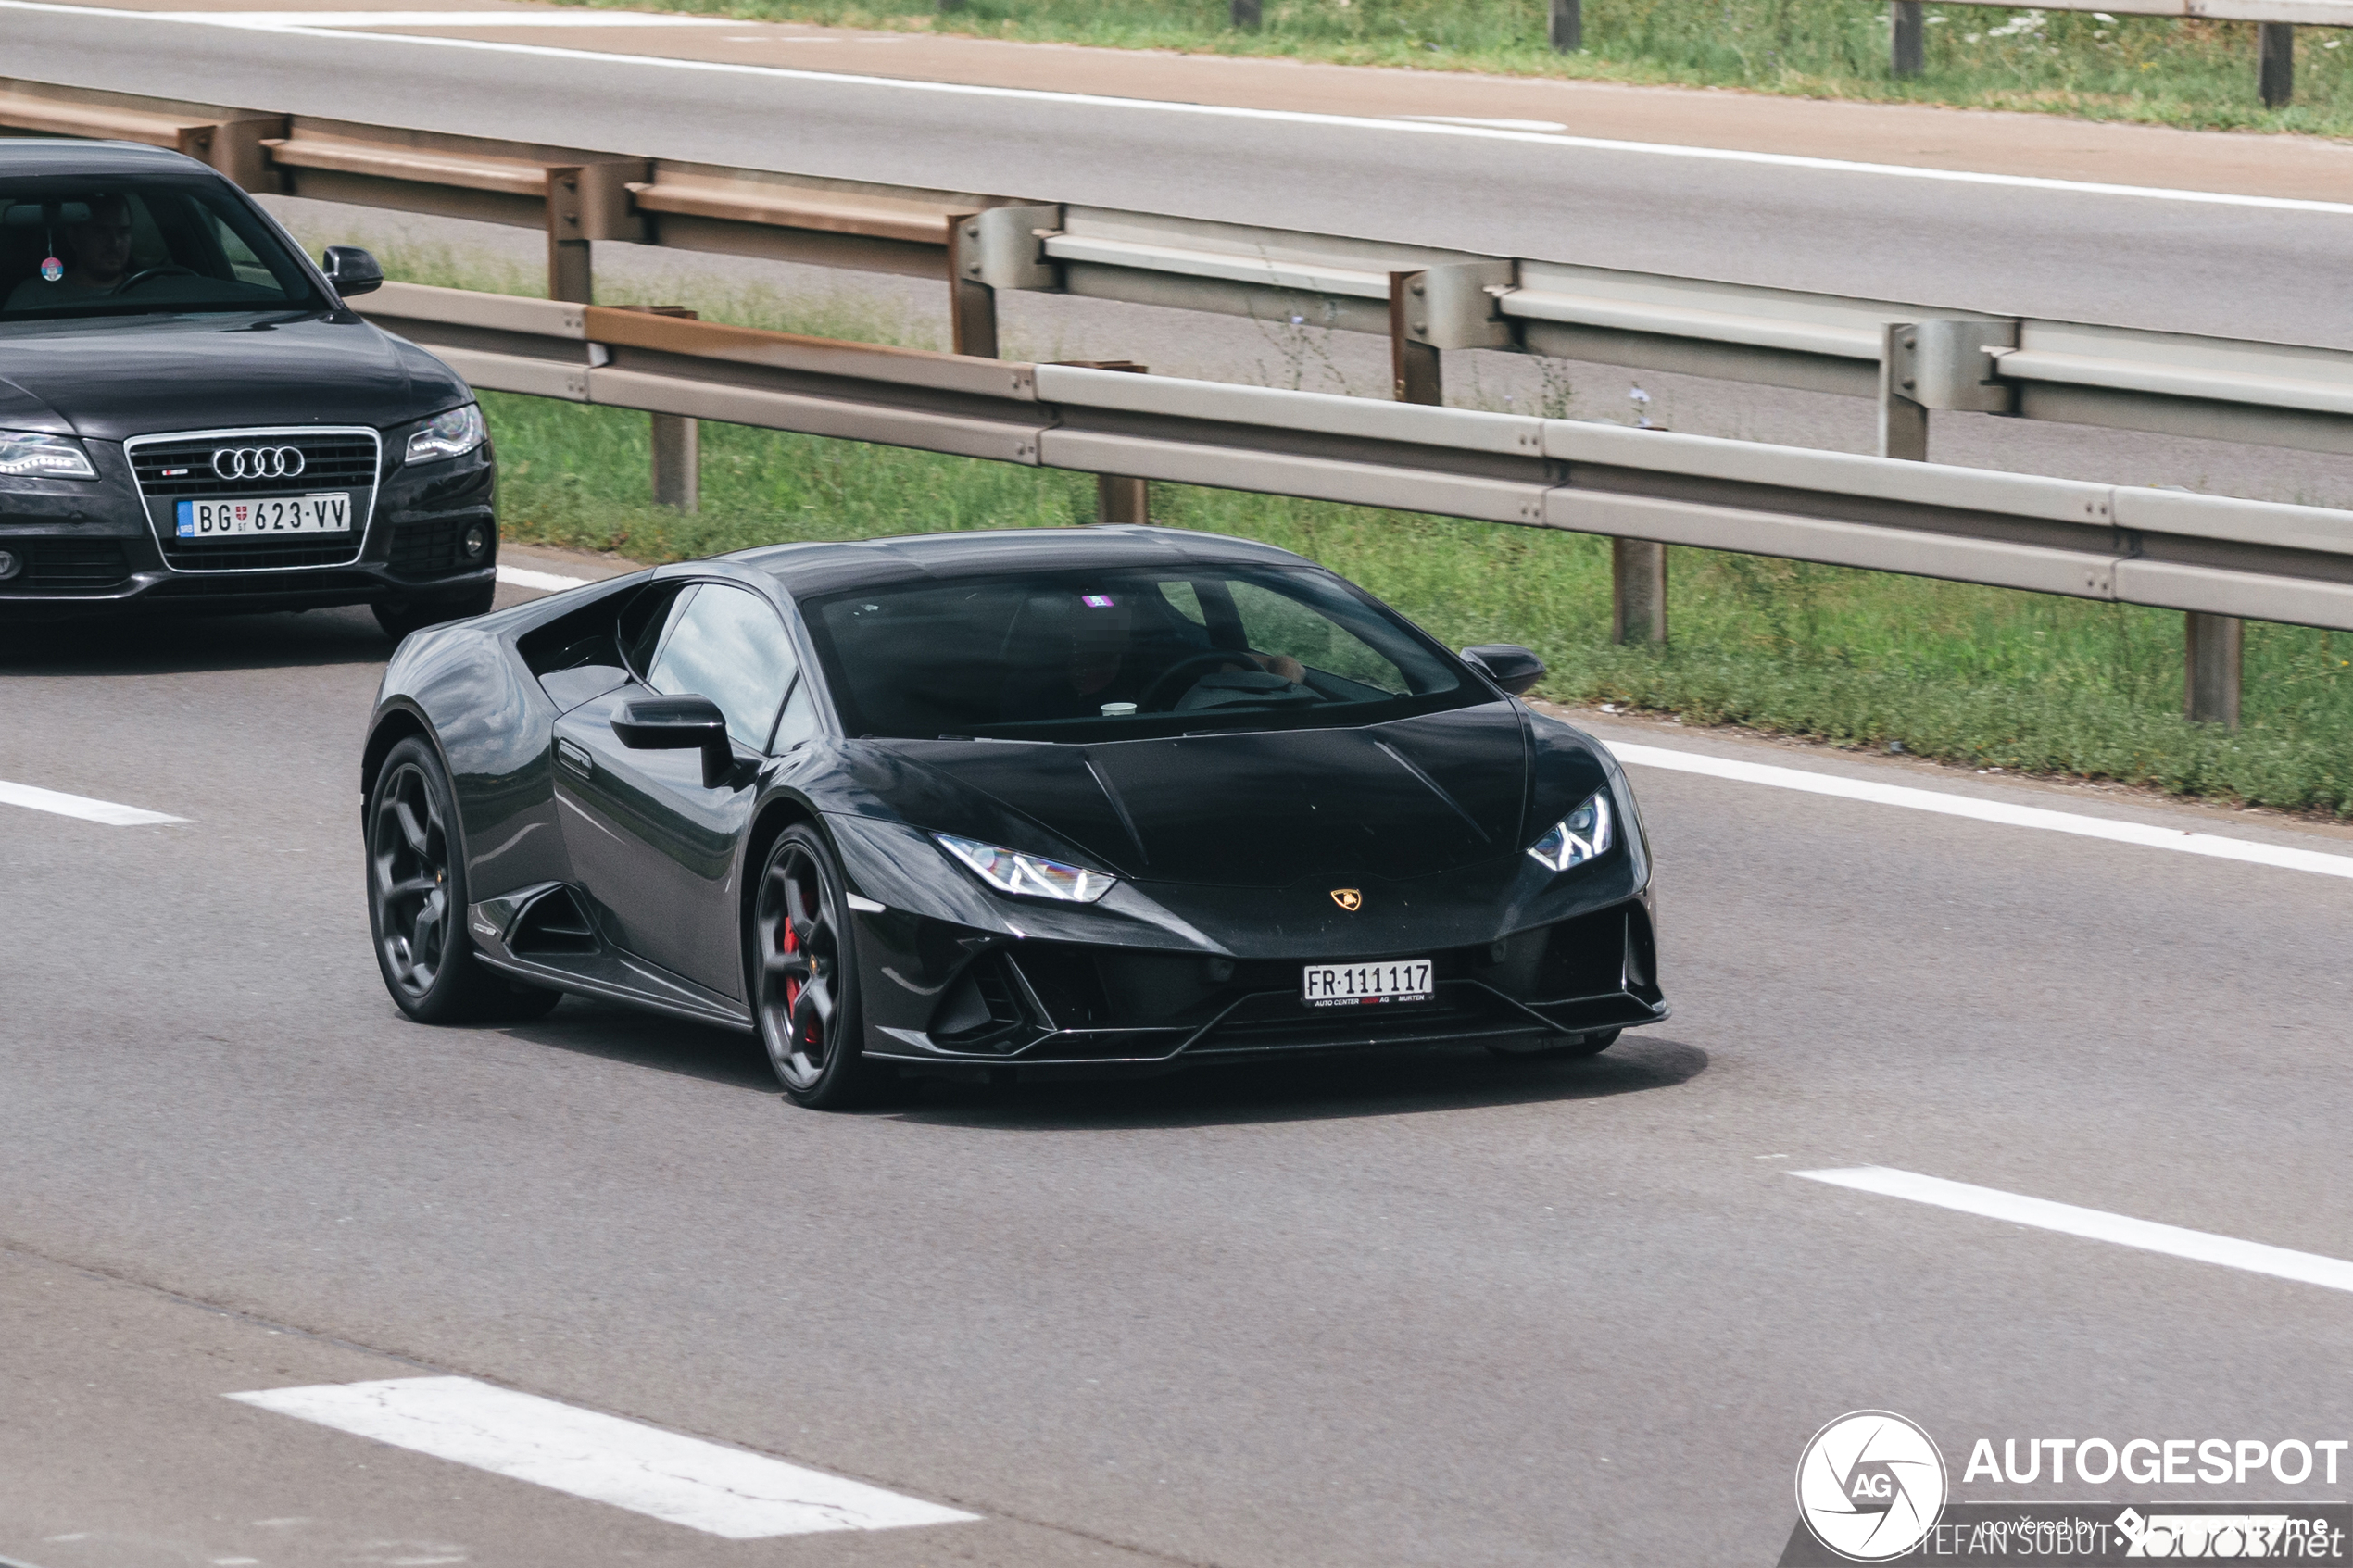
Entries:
{"x":2118,"y":543}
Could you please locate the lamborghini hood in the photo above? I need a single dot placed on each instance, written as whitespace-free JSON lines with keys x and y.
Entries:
{"x":1248,"y":809}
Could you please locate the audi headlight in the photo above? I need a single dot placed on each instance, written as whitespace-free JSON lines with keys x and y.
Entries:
{"x":1577,"y":837}
{"x":1009,"y":871}
{"x":35,"y":456}
{"x":452,"y":435}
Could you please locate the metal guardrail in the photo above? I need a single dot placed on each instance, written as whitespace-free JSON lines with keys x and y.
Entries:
{"x":1913,"y":359}
{"x":2118,"y":543}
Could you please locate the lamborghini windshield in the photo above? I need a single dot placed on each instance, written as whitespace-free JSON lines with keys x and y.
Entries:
{"x":131,"y":247}
{"x":1124,"y":653}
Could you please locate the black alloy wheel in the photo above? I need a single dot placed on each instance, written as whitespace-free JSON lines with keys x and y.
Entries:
{"x":805,"y":976}
{"x":417,"y":900}
{"x":1550,"y":1048}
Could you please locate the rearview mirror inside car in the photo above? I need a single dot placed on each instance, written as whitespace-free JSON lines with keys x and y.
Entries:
{"x":351,"y":269}
{"x":1507,"y":664}
{"x":679,"y":723}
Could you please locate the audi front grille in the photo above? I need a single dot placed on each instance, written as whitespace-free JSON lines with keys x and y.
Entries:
{"x":170,"y":468}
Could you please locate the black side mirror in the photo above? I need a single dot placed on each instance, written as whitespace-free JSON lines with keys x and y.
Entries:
{"x":351,"y":269}
{"x":679,"y":723}
{"x":1507,"y":664}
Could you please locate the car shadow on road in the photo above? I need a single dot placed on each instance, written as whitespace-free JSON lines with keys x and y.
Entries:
{"x":644,"y":1039}
{"x":187,"y":645}
{"x":1308,"y":1089}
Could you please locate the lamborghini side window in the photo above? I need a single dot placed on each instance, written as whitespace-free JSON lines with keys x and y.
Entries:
{"x":728,"y":645}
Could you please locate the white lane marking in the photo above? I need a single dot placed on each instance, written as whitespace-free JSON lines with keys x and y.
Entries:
{"x":1228,"y":111}
{"x":706,"y":1487}
{"x":549,"y":581}
{"x":1490,"y":124}
{"x":2096,"y":1225}
{"x":2185,"y":842}
{"x":273,"y":21}
{"x":80,"y":806}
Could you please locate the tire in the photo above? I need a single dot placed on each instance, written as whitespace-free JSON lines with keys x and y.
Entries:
{"x":803,"y":977}
{"x":417,"y":900}
{"x":1560,"y":1051}
{"x":398,"y":618}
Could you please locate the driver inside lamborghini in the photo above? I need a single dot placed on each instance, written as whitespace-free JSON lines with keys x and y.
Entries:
{"x":94,"y":255}
{"x":1084,"y":658}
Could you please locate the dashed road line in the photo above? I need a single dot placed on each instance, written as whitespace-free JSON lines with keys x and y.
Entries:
{"x":2180,"y":840}
{"x":703,"y":1485}
{"x":80,"y":806}
{"x":2095,"y":1225}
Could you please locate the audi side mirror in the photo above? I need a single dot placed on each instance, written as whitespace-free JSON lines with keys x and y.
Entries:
{"x":351,"y":269}
{"x":679,"y":723}
{"x":1507,"y":664}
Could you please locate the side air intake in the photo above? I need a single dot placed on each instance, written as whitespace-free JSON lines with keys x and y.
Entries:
{"x":552,"y":925}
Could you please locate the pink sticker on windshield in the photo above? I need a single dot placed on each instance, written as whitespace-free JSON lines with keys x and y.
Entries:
{"x":1096,"y":601}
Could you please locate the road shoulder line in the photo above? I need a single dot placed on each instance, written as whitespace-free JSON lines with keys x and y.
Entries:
{"x":2095,"y":1225}
{"x":2187,"y":841}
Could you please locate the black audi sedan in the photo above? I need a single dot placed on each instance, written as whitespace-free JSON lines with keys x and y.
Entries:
{"x":1007,"y":804}
{"x":192,"y":418}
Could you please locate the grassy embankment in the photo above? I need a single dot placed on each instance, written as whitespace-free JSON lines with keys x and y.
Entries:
{"x":1975,"y":675}
{"x":2157,"y":69}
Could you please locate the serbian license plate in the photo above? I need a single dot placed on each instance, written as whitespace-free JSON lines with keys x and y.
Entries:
{"x":1358,"y":984}
{"x":328,"y":513}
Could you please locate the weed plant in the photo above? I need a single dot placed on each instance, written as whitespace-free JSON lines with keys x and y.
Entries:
{"x":2160,"y":70}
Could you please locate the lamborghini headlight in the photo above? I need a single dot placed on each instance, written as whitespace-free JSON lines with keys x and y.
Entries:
{"x":1032,"y":876}
{"x":452,"y":435}
{"x":36,"y":455}
{"x":1577,"y":837}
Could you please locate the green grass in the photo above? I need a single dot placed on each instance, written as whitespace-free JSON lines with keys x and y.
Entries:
{"x":1983,"y":676}
{"x":2150,"y":69}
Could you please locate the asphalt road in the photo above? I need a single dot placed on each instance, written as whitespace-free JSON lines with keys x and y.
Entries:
{"x":1442,"y":1310}
{"x":2228,"y":271}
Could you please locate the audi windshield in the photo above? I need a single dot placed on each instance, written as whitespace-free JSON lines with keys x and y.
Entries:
{"x":1125,"y":654}
{"x":78,"y":249}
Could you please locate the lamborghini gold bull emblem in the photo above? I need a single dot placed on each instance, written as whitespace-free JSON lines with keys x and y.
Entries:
{"x":1348,"y":898}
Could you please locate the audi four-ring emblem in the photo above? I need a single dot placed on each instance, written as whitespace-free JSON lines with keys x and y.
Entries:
{"x":256,"y":462}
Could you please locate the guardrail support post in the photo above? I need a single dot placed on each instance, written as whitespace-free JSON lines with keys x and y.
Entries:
{"x":1450,"y":305}
{"x":1568,"y":28}
{"x":1416,"y":374}
{"x":971,"y":303}
{"x":677,"y":461}
{"x":2276,"y":70}
{"x":2214,"y":646}
{"x":1903,"y":420}
{"x":1908,"y":38}
{"x":1122,"y":501}
{"x":1247,"y":13}
{"x":1638,"y":590}
{"x":676,"y":448}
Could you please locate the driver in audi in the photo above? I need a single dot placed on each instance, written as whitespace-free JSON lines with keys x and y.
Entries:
{"x":97,"y":256}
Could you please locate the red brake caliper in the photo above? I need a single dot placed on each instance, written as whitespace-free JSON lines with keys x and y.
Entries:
{"x":791,"y":943}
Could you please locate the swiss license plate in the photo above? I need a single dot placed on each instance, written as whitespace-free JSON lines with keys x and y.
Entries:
{"x":234,"y":519}
{"x":1359,"y":984}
